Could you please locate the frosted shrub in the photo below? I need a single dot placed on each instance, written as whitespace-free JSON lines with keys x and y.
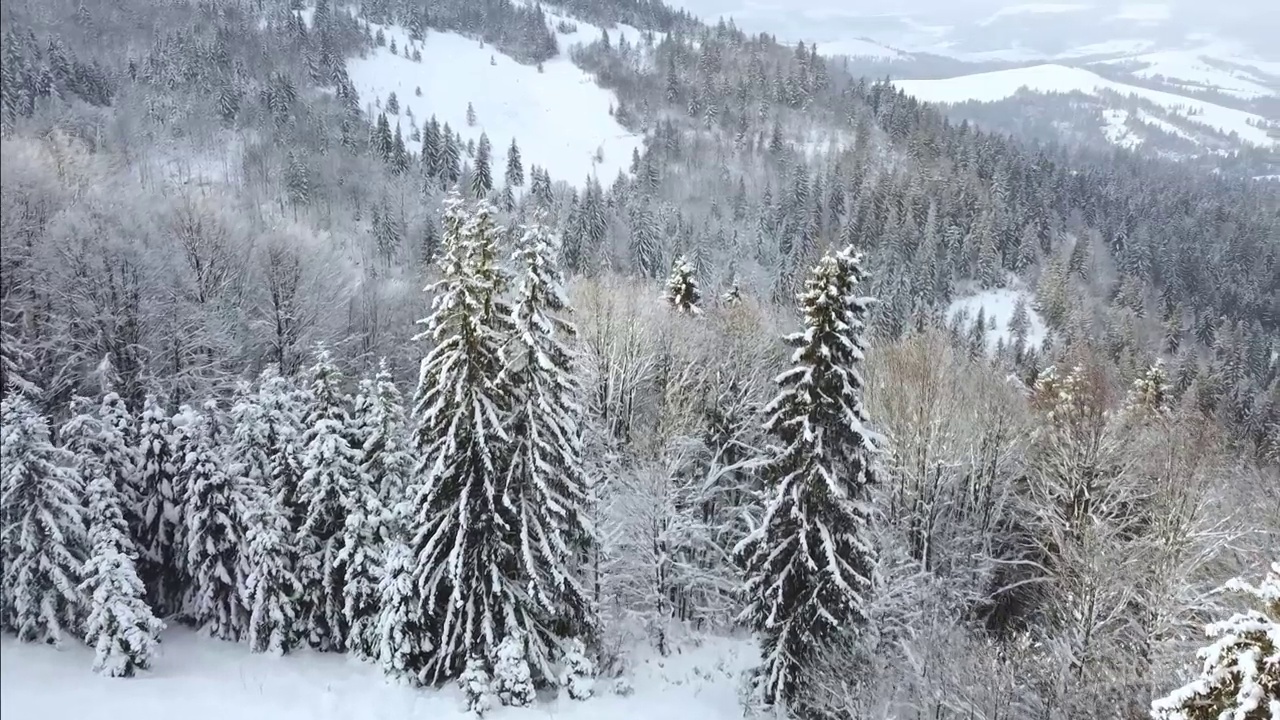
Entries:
{"x":477,"y":686}
{"x":578,"y":674}
{"x":512,"y":681}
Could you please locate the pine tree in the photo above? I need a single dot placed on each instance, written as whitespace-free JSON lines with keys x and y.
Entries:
{"x":216,"y":513}
{"x":379,"y":419}
{"x":160,"y":546}
{"x":1240,"y":678}
{"x":515,"y":168}
{"x":471,"y":115}
{"x":330,"y":479}
{"x":482,"y":175}
{"x":399,"y":154}
{"x":382,"y":142}
{"x":546,"y":485}
{"x":14,"y":360}
{"x":377,"y":516}
{"x":282,"y":406}
{"x":270,"y":585}
{"x":120,"y":626}
{"x":451,"y":158}
{"x":512,"y":681}
{"x":682,"y":288}
{"x":809,"y":565}
{"x":432,"y":149}
{"x":402,"y":630}
{"x":646,"y":251}
{"x":271,"y":588}
{"x":461,"y":445}
{"x":42,"y":532}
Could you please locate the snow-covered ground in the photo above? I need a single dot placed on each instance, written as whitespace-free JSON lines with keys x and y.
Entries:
{"x":999,"y":304}
{"x":1116,"y":129}
{"x":559,"y":117}
{"x":1196,"y":70}
{"x":196,"y":678}
{"x":862,"y":48}
{"x":1051,"y":78}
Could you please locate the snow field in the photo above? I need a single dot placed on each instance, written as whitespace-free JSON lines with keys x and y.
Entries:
{"x":197,"y":678}
{"x":1051,"y":78}
{"x":999,"y":304}
{"x":861,"y":48}
{"x":1191,"y":70}
{"x":559,"y":117}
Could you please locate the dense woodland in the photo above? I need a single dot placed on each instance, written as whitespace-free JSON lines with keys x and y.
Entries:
{"x":718,"y":393}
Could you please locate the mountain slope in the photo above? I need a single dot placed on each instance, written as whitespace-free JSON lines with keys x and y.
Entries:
{"x":1050,"y":78}
{"x":561,"y":120}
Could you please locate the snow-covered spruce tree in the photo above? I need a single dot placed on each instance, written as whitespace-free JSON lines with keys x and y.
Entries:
{"x":379,"y":420}
{"x":102,"y":441}
{"x":379,"y":507}
{"x":462,"y":448}
{"x":216,"y":511}
{"x":360,"y":555}
{"x":682,"y":288}
{"x":482,"y":174}
{"x":1240,"y":679}
{"x":512,"y":681}
{"x":810,"y":565}
{"x":331,"y":479}
{"x":120,"y":626}
{"x":402,"y":630}
{"x":270,"y":587}
{"x":160,"y":553}
{"x":477,"y":686}
{"x":515,"y":168}
{"x":283,"y":407}
{"x":545,"y":486}
{"x":43,"y":528}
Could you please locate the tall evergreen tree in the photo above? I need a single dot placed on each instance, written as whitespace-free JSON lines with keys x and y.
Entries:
{"x":270,"y":585}
{"x":283,"y":406}
{"x":216,"y":513}
{"x":160,"y":549}
{"x":515,"y":168}
{"x":42,"y":532}
{"x":482,"y":175}
{"x":120,"y":626}
{"x":462,"y":446}
{"x":379,"y":419}
{"x":546,"y":486}
{"x":432,"y":151}
{"x":330,"y":481}
{"x":810,"y":564}
{"x":403,"y":632}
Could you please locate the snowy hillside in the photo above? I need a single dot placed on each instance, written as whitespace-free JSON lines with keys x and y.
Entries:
{"x":1051,"y":78}
{"x":558,"y":116}
{"x":1206,"y":68}
{"x":201,"y":679}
